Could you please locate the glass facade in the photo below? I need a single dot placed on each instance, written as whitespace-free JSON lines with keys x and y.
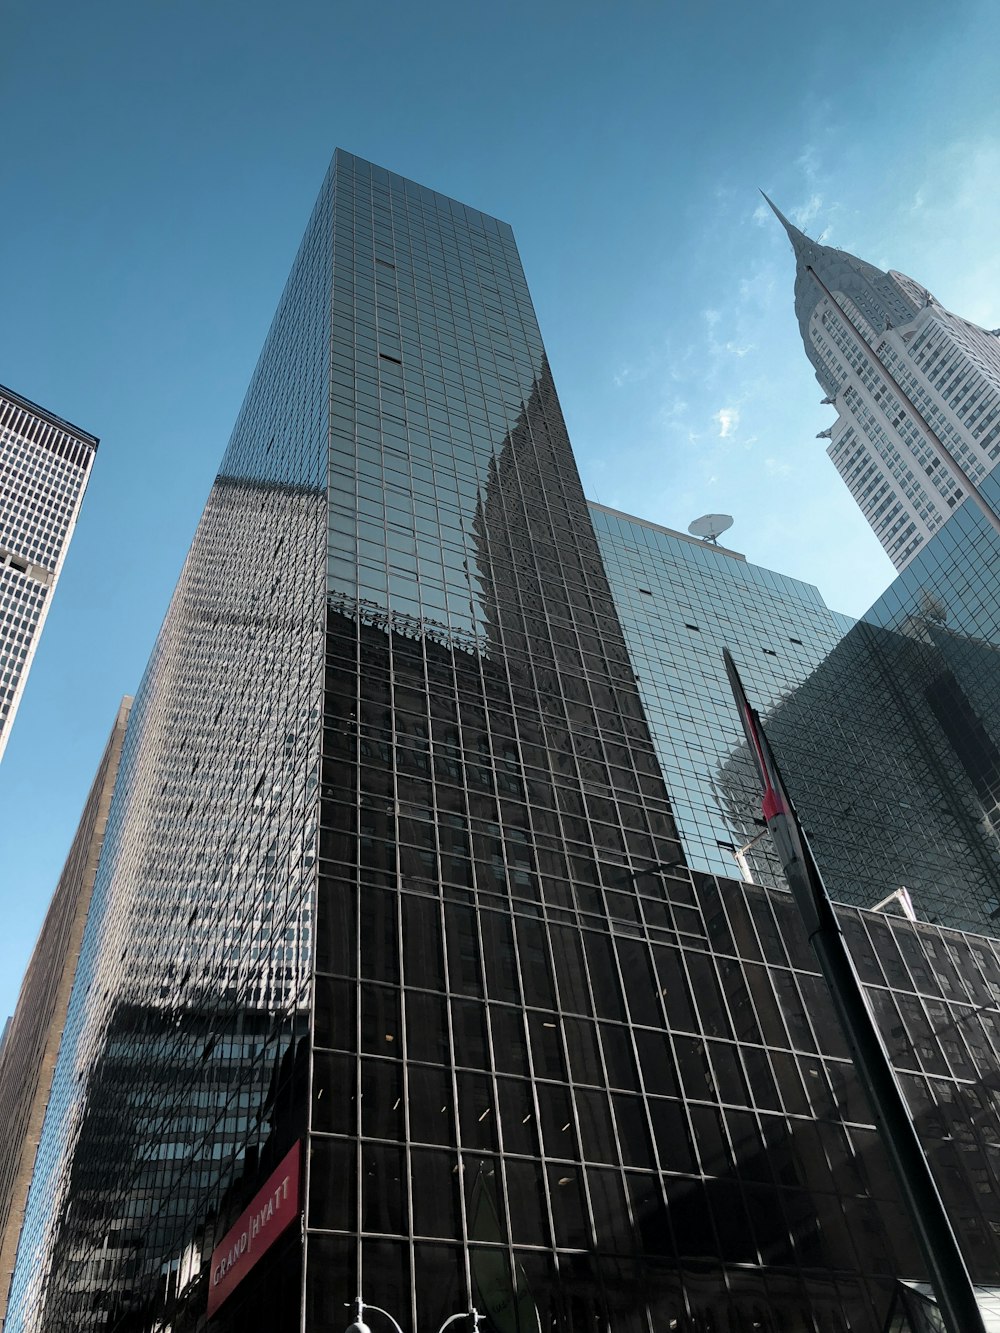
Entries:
{"x":916,"y":1310}
{"x":392,"y":871}
{"x":489,"y":783}
{"x":681,"y":602}
{"x":888,"y":729}
{"x":30,"y":1041}
{"x":892,"y":745}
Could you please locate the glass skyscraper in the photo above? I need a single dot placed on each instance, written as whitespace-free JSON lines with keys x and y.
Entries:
{"x":399,"y":977}
{"x":31,"y":1038}
{"x":44,"y":467}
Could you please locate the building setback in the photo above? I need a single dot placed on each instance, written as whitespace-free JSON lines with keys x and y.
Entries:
{"x":916,"y":389}
{"x":44,"y":467}
{"x":681,"y":602}
{"x":31,"y":1038}
{"x":392,"y":886}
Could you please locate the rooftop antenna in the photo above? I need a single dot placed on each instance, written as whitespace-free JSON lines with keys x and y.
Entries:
{"x":710,"y":527}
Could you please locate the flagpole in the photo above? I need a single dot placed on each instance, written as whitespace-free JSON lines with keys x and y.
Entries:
{"x":949,"y":1275}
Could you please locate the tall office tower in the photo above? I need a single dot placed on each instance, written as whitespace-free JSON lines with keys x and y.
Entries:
{"x":31,"y":1040}
{"x":395,"y":979}
{"x":916,"y":389}
{"x":44,"y":466}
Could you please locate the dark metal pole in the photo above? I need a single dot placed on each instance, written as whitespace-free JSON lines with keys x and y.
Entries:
{"x":949,"y":1276}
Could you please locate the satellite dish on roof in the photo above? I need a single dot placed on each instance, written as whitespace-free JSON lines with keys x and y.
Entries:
{"x":710,"y":526}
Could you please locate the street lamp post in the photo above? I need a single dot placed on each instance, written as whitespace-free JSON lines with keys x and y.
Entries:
{"x":360,"y":1306}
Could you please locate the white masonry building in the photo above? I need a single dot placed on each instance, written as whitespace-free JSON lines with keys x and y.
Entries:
{"x":44,"y":466}
{"x":916,"y":389}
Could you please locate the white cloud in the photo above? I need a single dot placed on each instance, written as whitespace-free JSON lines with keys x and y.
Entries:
{"x":727,"y":419}
{"x":758,"y":288}
{"x":672,"y":412}
{"x":954,"y":208}
{"x":805,"y":213}
{"x":808,"y":162}
{"x":776,"y":469}
{"x":623,"y":376}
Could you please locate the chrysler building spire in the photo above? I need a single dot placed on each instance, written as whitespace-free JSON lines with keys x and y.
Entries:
{"x":916,"y":389}
{"x":797,"y":237}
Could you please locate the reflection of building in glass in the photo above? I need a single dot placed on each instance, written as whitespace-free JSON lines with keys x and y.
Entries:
{"x":894,"y":362}
{"x":537,"y":1062}
{"x":887,"y":729}
{"x":891,"y":745}
{"x":916,"y":1310}
{"x":869,"y":745}
{"x":31,"y":1038}
{"x":44,"y":467}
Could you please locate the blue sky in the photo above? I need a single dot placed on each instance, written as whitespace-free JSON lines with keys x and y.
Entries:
{"x":160,"y":163}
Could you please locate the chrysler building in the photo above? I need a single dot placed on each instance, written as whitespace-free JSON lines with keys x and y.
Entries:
{"x":916,"y":389}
